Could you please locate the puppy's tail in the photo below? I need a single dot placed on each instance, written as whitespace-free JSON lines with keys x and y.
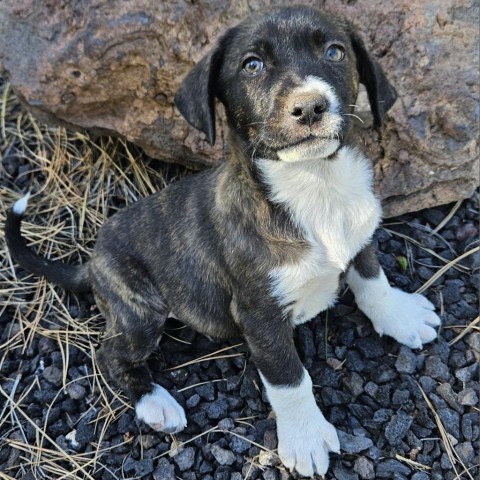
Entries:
{"x":74,"y":278}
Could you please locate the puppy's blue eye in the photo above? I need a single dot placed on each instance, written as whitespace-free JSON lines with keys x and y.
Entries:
{"x":335,"y":53}
{"x":252,"y":66}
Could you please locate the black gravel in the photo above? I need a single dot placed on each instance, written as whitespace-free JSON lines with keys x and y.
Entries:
{"x":369,"y":387}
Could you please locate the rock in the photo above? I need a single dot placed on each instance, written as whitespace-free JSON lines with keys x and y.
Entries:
{"x":383,"y":374}
{"x":424,"y":273}
{"x":164,"y":471}
{"x":364,"y":468}
{"x":268,"y":459}
{"x":466,"y":452}
{"x":452,"y":292}
{"x":468,"y":397}
{"x":435,"y":368}
{"x":205,"y":467}
{"x":222,"y":456}
{"x":362,"y":412}
{"x":343,"y":473}
{"x":178,"y":376}
{"x":126,"y":423}
{"x":143,"y":467}
{"x":185,"y":458}
{"x":383,"y":395}
{"x":239,"y":445}
{"x":53,"y":374}
{"x":330,"y":397}
{"x":371,"y":388}
{"x":76,"y":391}
{"x":327,"y":377}
{"x":420,"y":476}
{"x":398,"y":427}
{"x":200,"y":418}
{"x":370,"y":347}
{"x":206,"y":391}
{"x":427,"y":383}
{"x":85,"y":433}
{"x":466,"y":374}
{"x":451,"y":421}
{"x":217,"y":409}
{"x":233,"y":382}
{"x":382,"y":415}
{"x":353,"y":444}
{"x":470,"y":422}
{"x":226,"y":424}
{"x":46,"y":345}
{"x":406,"y":361}
{"x":465,"y":231}
{"x":193,"y":401}
{"x":446,"y":392}
{"x":437,"y":401}
{"x":473,"y":340}
{"x":400,"y":397}
{"x":305,"y":343}
{"x":248,"y":388}
{"x":223,"y":472}
{"x":457,"y":359}
{"x":148,"y":441}
{"x":445,"y":462}
{"x":390,"y":467}
{"x":462,"y":310}
{"x":113,"y":68}
{"x":269,"y":474}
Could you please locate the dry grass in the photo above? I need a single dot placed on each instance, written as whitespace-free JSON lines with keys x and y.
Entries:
{"x":460,"y":469}
{"x":76,"y":183}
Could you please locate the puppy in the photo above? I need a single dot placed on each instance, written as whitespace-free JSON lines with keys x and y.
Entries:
{"x":257,"y":245}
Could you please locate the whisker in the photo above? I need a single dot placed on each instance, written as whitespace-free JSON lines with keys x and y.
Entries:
{"x":353,"y":115}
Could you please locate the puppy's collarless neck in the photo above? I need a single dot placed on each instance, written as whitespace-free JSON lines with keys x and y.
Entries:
{"x":307,"y":162}
{"x":348,"y":169}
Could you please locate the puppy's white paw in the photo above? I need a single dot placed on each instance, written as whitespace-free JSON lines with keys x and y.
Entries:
{"x":304,"y":443}
{"x":160,"y":411}
{"x":407,"y":317}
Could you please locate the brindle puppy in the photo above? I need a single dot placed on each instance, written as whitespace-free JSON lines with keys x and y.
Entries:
{"x":257,"y":245}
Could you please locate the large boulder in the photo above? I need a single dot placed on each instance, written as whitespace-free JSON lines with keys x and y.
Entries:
{"x":113,"y":66}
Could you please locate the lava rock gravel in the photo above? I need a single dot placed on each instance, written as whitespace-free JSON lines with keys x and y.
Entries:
{"x":386,"y":400}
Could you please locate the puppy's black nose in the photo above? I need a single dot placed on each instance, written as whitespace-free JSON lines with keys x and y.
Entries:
{"x":308,"y":109}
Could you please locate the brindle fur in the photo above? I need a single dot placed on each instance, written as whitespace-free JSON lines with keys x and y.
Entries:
{"x":204,"y":246}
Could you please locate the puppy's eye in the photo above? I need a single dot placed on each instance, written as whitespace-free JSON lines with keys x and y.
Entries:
{"x":335,"y":53}
{"x":252,"y":66}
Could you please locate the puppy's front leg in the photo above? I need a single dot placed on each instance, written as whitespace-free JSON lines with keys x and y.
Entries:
{"x":407,"y":317}
{"x":304,"y":435}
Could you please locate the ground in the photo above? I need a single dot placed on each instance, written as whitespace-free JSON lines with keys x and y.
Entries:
{"x":401,"y":414}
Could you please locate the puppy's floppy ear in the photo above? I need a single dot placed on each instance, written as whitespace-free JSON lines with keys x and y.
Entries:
{"x":381,"y":93}
{"x":195,"y":98}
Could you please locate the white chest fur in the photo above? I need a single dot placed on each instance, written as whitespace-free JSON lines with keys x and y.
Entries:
{"x":332,"y":203}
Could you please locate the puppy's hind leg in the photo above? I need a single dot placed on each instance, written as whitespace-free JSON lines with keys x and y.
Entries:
{"x":132,"y":334}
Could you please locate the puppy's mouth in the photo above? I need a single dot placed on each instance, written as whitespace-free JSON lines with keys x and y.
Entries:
{"x":311,"y":147}
{"x":309,"y":138}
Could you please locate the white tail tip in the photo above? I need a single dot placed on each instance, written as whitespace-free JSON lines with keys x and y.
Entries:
{"x":20,"y":205}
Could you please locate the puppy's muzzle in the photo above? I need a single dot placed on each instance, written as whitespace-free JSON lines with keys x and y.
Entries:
{"x":307,"y":108}
{"x":310,"y":121}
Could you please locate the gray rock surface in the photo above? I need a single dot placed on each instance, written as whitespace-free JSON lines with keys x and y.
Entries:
{"x":353,"y":444}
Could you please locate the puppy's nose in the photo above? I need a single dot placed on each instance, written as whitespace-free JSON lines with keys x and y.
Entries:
{"x":308,"y":109}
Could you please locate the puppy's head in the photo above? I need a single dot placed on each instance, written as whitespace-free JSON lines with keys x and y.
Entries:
{"x":288,"y":79}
